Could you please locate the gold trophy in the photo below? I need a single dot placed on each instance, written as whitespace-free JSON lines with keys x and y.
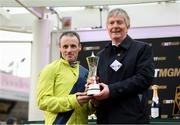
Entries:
{"x":92,"y":61}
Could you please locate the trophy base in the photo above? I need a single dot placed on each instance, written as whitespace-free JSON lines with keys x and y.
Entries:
{"x":93,"y":89}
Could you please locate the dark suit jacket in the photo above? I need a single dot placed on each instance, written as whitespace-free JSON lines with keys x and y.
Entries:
{"x":129,"y":85}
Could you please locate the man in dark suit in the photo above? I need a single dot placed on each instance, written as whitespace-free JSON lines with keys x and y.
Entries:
{"x":126,"y":71}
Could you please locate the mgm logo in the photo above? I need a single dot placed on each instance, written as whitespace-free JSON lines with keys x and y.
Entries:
{"x":167,"y":72}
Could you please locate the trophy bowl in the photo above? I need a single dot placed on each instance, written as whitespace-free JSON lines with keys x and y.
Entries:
{"x":92,"y":61}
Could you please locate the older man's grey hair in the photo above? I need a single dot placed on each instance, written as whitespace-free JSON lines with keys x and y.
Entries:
{"x":120,"y":12}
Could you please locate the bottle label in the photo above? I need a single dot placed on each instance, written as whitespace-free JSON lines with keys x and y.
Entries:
{"x":154,"y":112}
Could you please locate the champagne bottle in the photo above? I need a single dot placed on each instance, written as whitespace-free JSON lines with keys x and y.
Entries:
{"x":155,"y":106}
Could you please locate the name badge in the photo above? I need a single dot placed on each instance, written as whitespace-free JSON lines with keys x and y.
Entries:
{"x":116,"y":65}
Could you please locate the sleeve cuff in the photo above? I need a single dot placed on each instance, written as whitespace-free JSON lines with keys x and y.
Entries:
{"x":73,"y":100}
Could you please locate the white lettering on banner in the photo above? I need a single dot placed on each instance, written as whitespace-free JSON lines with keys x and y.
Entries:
{"x":167,"y":72}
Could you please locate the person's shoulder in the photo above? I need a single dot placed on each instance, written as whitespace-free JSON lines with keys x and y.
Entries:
{"x":141,"y":43}
{"x":52,"y":65}
{"x":50,"y":68}
{"x":141,"y":46}
{"x":55,"y":62}
{"x":102,"y":51}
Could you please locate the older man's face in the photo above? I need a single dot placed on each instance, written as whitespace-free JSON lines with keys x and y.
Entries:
{"x":117,"y":28}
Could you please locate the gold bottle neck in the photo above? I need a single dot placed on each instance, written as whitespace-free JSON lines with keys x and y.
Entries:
{"x":155,"y":92}
{"x":155,"y":95}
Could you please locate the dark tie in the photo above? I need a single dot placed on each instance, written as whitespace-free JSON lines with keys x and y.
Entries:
{"x":116,"y":49}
